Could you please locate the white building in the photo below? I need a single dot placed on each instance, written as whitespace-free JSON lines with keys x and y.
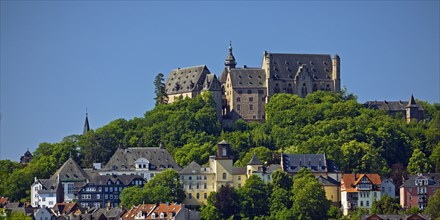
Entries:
{"x":44,"y":193}
{"x":359,"y":190}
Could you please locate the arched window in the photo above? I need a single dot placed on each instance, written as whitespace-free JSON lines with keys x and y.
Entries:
{"x":224,"y":176}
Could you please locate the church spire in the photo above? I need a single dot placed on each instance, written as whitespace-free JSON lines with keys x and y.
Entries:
{"x":230,"y":59}
{"x":86,"y":124}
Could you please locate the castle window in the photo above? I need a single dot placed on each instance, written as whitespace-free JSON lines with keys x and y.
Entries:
{"x":240,"y":91}
{"x":249,"y":91}
{"x":238,"y":99}
{"x":251,"y":107}
{"x":251,"y":99}
{"x":224,"y":176}
{"x":238,"y":107}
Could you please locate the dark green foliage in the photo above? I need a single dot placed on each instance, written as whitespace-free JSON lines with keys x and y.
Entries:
{"x":254,"y":198}
{"x":280,"y":179}
{"x":131,"y":196}
{"x":159,"y":89}
{"x":227,"y":202}
{"x":386,"y":205}
{"x":165,"y":187}
{"x":433,"y":206}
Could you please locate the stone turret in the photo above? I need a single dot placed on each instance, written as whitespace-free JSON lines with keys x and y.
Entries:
{"x":412,"y":111}
{"x":336,"y":75}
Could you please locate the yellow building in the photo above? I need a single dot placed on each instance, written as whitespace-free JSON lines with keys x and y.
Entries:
{"x":332,"y":189}
{"x":199,"y":181}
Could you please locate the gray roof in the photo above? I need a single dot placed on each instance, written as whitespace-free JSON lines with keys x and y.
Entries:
{"x":124,"y":159}
{"x":394,"y":216}
{"x":328,"y":181}
{"x":192,"y":168}
{"x":239,"y":170}
{"x":314,"y":162}
{"x":124,"y":179}
{"x":255,"y":161}
{"x":389,"y":105}
{"x":247,"y":77}
{"x":223,"y":142}
{"x":273,"y":167}
{"x":182,"y":80}
{"x":70,"y":171}
{"x":285,"y":66}
{"x":211,"y":83}
{"x":433,"y":180}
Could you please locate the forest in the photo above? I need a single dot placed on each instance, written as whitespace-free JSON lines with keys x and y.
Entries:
{"x":356,"y":138}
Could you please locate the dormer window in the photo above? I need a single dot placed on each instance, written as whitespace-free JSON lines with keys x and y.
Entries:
{"x":162,"y":215}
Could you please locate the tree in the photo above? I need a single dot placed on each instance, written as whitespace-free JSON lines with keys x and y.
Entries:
{"x":435,"y":158}
{"x":254,"y":197}
{"x":159,"y":89}
{"x":418,"y":163}
{"x":209,"y":212}
{"x":279,"y":200}
{"x":334,"y":212}
{"x":385,"y":205}
{"x":433,"y":206}
{"x":227,"y":202}
{"x":309,"y":201}
{"x":165,"y":187}
{"x":131,"y":196}
{"x":280,"y":179}
{"x":362,"y":157}
{"x":263,"y":154}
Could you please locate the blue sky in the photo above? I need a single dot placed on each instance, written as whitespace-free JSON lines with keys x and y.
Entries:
{"x":60,"y":57}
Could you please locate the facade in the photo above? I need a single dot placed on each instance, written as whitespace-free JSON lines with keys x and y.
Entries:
{"x":103,"y":191}
{"x":388,"y":187}
{"x":192,"y":81}
{"x":248,"y":89}
{"x":45,"y":193}
{"x":416,"y":191}
{"x":359,"y":190}
{"x":43,"y":214}
{"x":142,"y":161}
{"x":200,"y":181}
{"x":410,"y":110}
{"x":332,"y":189}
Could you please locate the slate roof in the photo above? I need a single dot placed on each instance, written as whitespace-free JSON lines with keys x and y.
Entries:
{"x":48,"y":186}
{"x":247,"y":77}
{"x":124,"y":159}
{"x":124,"y":179}
{"x":65,"y":208}
{"x":70,"y":171}
{"x":394,"y":217}
{"x":238,"y":170}
{"x":192,"y":168}
{"x":328,"y":181}
{"x":392,"y":105}
{"x":182,"y":80}
{"x":115,"y":213}
{"x":211,"y":83}
{"x":255,"y":161}
{"x":433,"y":180}
{"x":273,"y":167}
{"x":285,"y":66}
{"x":292,"y":163}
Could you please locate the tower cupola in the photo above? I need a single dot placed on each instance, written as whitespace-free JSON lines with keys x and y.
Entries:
{"x":224,"y":150}
{"x":230,"y":59}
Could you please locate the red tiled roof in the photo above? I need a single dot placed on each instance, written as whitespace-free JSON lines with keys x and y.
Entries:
{"x":348,"y":182}
{"x":145,"y":208}
{"x":168,"y":209}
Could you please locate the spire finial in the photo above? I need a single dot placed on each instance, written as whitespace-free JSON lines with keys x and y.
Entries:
{"x":230,"y":44}
{"x":230,"y":59}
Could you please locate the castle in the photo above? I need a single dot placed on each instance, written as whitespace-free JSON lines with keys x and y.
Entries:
{"x":243,"y":92}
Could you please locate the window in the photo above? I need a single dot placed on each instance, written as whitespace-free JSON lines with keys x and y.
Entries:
{"x":239,"y":178}
{"x":190,"y":177}
{"x":205,"y":195}
{"x":190,"y":196}
{"x":224,"y":176}
{"x":198,"y":186}
{"x":239,"y":185}
{"x":251,"y":99}
{"x":224,"y":152}
{"x":238,"y":99}
{"x":238,"y":107}
{"x":362,"y":203}
{"x":249,"y":91}
{"x":70,"y":188}
{"x":50,"y":202}
{"x":240,"y":91}
{"x":251,"y":107}
{"x":260,"y":91}
{"x":98,"y":196}
{"x":198,"y":196}
{"x":368,"y":203}
{"x":205,"y":185}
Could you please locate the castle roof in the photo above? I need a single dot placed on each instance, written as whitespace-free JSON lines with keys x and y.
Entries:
{"x":255,"y":161}
{"x":238,"y":170}
{"x":285,"y":66}
{"x":391,"y":105}
{"x":70,"y":170}
{"x":314,"y":162}
{"x":247,"y":77}
{"x":192,"y":168}
{"x":124,"y":179}
{"x":188,"y":79}
{"x":124,"y":159}
{"x":328,"y":181}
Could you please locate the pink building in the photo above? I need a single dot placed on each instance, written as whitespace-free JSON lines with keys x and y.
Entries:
{"x":416,"y":190}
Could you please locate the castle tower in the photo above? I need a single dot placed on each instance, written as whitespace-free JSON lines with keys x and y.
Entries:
{"x":223,"y":165}
{"x":412,"y":111}
{"x":230,"y":59}
{"x":336,"y":75}
{"x":86,"y":125}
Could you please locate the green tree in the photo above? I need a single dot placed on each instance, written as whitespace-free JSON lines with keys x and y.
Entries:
{"x":362,"y":157}
{"x":418,"y":163}
{"x":165,"y":187}
{"x":309,"y":201}
{"x":433,"y":206}
{"x":263,"y":154}
{"x":386,"y":205}
{"x":279,"y":200}
{"x":280,"y":179}
{"x":159,"y":89}
{"x":254,"y":197}
{"x":227,"y":202}
{"x":131,"y":196}
{"x":209,"y":212}
{"x":334,"y":212}
{"x":435,"y":158}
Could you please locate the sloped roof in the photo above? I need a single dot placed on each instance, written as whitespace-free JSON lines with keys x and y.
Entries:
{"x":223,"y":142}
{"x":124,"y":179}
{"x":273,"y":167}
{"x":186,"y":79}
{"x":144,"y":208}
{"x":412,"y":102}
{"x":248,"y":77}
{"x":314,"y":162}
{"x":70,"y":170}
{"x":124,"y":159}
{"x":255,"y":161}
{"x":238,"y":170}
{"x":392,"y":105}
{"x":65,"y":207}
{"x":167,"y":208}
{"x":410,"y":182}
{"x":349,"y":182}
{"x":211,"y":83}
{"x":328,"y":181}
{"x":192,"y":168}
{"x":285,"y":66}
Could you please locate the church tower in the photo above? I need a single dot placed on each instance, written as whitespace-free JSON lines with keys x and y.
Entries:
{"x":412,"y":111}
{"x":86,"y":125}
{"x":223,"y":165}
{"x":230,"y":59}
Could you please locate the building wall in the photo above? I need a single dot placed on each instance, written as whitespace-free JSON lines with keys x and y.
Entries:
{"x":388,"y":188}
{"x":333,"y":193}
{"x":190,"y":187}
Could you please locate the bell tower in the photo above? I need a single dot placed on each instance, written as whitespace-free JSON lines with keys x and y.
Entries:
{"x":230,"y":59}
